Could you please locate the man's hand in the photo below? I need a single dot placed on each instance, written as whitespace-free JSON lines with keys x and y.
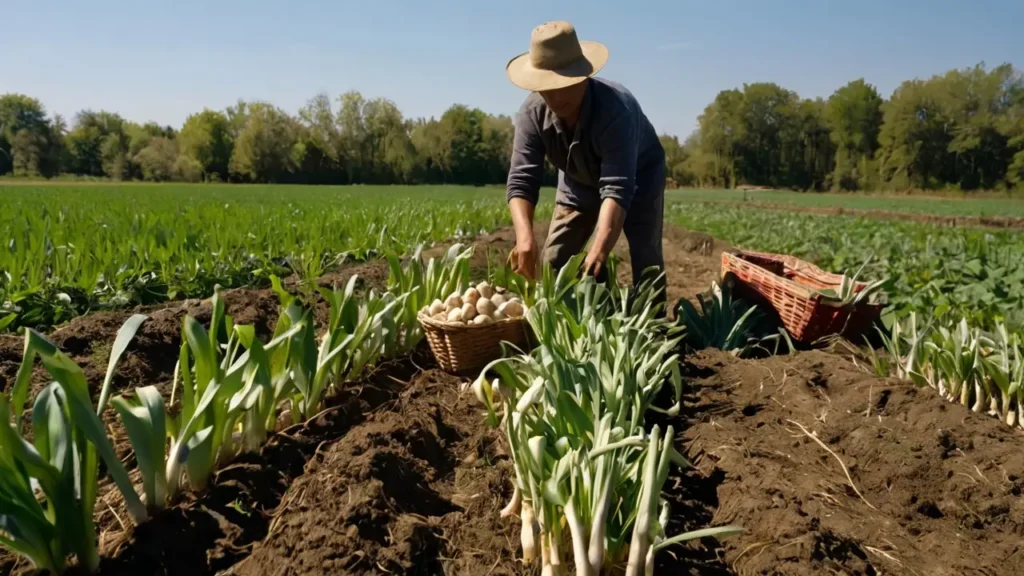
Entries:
{"x":609,"y":226}
{"x":526,"y":259}
{"x":594,"y":263}
{"x":526,"y":253}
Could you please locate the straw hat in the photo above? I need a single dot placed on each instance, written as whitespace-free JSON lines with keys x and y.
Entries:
{"x":556,"y":59}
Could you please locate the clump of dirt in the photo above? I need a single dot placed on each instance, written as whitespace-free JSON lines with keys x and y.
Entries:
{"x":932,"y":487}
{"x":372,"y":274}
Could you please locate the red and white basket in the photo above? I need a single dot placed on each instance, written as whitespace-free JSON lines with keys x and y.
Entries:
{"x":790,"y":285}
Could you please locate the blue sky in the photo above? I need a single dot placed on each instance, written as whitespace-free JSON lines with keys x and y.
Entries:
{"x":161,"y":60}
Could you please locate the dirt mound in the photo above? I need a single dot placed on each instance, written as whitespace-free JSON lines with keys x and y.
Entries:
{"x":935,"y":488}
{"x":392,"y":495}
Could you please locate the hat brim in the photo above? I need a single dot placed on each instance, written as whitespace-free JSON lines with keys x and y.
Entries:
{"x":521,"y":71}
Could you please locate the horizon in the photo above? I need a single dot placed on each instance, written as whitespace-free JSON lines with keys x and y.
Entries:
{"x":439,"y":57}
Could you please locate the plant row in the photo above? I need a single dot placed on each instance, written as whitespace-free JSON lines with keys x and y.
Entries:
{"x":230,"y":391}
{"x":951,"y":272}
{"x":67,"y":252}
{"x":589,"y":472}
{"x":982,"y":370}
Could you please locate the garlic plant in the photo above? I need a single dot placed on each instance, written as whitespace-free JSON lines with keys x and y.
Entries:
{"x":588,"y":477}
{"x":230,"y":388}
{"x":728,"y":323}
{"x":424,"y":284}
{"x":982,"y":371}
{"x":847,"y":294}
{"x":62,"y":460}
{"x":1005,"y":369}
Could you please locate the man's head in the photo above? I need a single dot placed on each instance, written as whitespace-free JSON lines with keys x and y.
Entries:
{"x":557,"y":65}
{"x":566,"y":102}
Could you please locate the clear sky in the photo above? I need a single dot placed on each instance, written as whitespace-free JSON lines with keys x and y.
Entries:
{"x":161,"y":60}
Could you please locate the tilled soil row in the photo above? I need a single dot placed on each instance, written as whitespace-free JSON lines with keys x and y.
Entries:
{"x":834,"y":471}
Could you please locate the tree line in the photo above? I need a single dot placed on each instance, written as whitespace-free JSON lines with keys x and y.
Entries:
{"x":351,"y":140}
{"x":961,"y":130}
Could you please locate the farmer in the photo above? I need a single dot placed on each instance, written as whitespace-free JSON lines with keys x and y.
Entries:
{"x":611,"y":166}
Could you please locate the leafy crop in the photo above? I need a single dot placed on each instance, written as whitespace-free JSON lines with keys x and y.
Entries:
{"x":69,"y":250}
{"x":231,"y":389}
{"x":588,"y":473}
{"x":982,"y":370}
{"x":956,"y":272}
{"x":952,"y":206}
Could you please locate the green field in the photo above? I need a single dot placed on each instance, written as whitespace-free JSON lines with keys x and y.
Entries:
{"x":939,"y":206}
{"x":76,"y":248}
{"x":580,"y":414}
{"x":974,"y":273}
{"x":71,"y":249}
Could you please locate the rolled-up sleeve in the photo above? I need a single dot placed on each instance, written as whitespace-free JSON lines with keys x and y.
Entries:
{"x":619,"y":148}
{"x":526,"y":168}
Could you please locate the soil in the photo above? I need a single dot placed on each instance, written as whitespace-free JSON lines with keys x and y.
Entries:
{"x":936,"y":489}
{"x":399,"y":474}
{"x":937,"y":219}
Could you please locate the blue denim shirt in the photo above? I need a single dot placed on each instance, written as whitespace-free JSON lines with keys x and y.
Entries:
{"x":612,"y":144}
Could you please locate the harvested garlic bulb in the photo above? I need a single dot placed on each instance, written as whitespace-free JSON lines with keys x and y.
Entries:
{"x":512,"y":309}
{"x":485,"y":307}
{"x":455,"y":315}
{"x":454,"y":301}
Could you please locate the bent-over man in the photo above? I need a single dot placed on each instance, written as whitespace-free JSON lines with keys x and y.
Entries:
{"x":611,"y":166}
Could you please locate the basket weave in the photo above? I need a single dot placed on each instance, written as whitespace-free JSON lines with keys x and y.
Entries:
{"x":461,"y":348}
{"x":789,"y":285}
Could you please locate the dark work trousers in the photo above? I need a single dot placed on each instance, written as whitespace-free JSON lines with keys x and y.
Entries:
{"x":571,"y":229}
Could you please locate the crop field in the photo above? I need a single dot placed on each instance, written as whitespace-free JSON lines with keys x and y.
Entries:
{"x":202,"y":380}
{"x":952,"y":206}
{"x":973,"y":273}
{"x":73,"y":249}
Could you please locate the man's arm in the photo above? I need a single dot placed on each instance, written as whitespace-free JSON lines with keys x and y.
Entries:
{"x":618,"y":146}
{"x":526,"y":170}
{"x":609,"y":226}
{"x":522,"y":221}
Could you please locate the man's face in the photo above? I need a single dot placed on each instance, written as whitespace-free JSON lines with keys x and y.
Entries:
{"x":565,"y":102}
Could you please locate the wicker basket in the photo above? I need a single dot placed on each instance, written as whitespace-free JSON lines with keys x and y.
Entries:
{"x":461,"y":348}
{"x":789,"y":285}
